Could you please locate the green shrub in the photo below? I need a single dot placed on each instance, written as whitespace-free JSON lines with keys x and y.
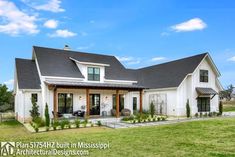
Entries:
{"x":205,"y":115}
{"x":36,"y":128}
{"x":99,"y":123}
{"x":85,"y":120}
{"x":55,"y":124}
{"x":139,"y":120}
{"x":77,"y":123}
{"x":214,"y":114}
{"x":47,"y":128}
{"x":35,"y":110}
{"x":163,"y":118}
{"x":152,"y":109}
{"x":64,"y":123}
{"x":84,"y":124}
{"x":154,"y":119}
{"x":220,"y":108}
{"x":149,"y":119}
{"x":39,"y":121}
{"x":47,"y":117}
{"x":128,"y":118}
{"x":188,"y":109}
{"x":158,"y":118}
{"x":210,"y":114}
{"x":201,"y":115}
{"x":196,"y":115}
{"x":92,"y":124}
{"x":134,"y":121}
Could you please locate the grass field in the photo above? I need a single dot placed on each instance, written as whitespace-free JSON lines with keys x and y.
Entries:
{"x":229,"y":106}
{"x":215,"y":137}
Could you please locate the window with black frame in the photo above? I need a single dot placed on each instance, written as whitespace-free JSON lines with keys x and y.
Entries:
{"x":134,"y":103}
{"x":203,"y":104}
{"x":93,"y":74}
{"x":34,"y":96}
{"x":203,"y":75}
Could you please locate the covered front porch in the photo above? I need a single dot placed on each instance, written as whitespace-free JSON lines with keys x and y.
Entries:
{"x":95,"y":99}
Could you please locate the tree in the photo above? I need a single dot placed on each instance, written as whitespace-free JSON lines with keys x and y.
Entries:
{"x":47,"y":117}
{"x":227,"y":93}
{"x":152,"y":109}
{"x":220,"y":107}
{"x":34,"y":112}
{"x":6,"y":99}
{"x":188,"y":109}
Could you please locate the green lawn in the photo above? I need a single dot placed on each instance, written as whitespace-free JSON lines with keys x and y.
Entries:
{"x":229,"y":106}
{"x":215,"y":137}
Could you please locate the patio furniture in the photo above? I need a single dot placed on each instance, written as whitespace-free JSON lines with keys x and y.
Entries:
{"x":126,"y":112}
{"x":57,"y":114}
{"x":79,"y":113}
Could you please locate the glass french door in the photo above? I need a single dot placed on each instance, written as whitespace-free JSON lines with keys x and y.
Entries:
{"x":65,"y":103}
{"x":94,"y":104}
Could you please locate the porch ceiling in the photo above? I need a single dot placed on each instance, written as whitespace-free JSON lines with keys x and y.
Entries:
{"x":75,"y":84}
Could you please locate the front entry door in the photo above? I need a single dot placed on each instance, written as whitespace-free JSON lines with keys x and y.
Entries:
{"x":94,"y":104}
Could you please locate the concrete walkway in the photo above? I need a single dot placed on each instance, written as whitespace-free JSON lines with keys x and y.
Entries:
{"x":119,"y":124}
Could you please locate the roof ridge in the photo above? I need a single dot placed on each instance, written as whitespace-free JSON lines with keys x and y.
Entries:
{"x":74,"y":51}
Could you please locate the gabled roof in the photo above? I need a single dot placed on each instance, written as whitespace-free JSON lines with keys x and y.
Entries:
{"x":169,"y":74}
{"x":27,"y":74}
{"x":57,"y":62}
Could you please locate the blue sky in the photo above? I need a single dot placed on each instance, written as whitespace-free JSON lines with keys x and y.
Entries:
{"x":138,"y":32}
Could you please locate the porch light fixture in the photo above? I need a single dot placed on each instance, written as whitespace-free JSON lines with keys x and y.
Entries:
{"x":80,"y":97}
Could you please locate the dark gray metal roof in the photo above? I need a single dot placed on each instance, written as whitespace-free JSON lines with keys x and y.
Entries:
{"x":169,"y":74}
{"x":27,"y":74}
{"x":205,"y":91}
{"x":93,"y":85}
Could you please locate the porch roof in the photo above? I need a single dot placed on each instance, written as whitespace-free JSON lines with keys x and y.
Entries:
{"x":205,"y":91}
{"x":93,"y":85}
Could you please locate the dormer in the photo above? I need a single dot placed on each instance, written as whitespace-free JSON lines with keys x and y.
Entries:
{"x":92,"y":72}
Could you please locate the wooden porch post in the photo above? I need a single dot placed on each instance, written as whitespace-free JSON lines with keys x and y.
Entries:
{"x":117,"y":103}
{"x":87,"y":103}
{"x":141,"y":100}
{"x":55,"y":106}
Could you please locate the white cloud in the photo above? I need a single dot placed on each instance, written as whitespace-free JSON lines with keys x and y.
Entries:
{"x":158,"y":59}
{"x":124,"y":59}
{"x":190,"y":25}
{"x":232,"y":59}
{"x":133,"y":62}
{"x":64,"y":33}
{"x":9,"y":83}
{"x":16,"y":21}
{"x":52,"y":5}
{"x":129,"y":60}
{"x":51,"y":23}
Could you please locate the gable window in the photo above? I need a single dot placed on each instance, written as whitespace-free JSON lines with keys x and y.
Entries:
{"x":203,"y":104}
{"x":35,"y":97}
{"x":203,"y":75}
{"x":93,"y":74}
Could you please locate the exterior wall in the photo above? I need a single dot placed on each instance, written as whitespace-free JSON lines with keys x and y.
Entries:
{"x":23,"y":104}
{"x":187,"y":90}
{"x":171,"y":95}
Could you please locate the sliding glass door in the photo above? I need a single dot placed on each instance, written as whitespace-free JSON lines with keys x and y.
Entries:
{"x":65,"y":103}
